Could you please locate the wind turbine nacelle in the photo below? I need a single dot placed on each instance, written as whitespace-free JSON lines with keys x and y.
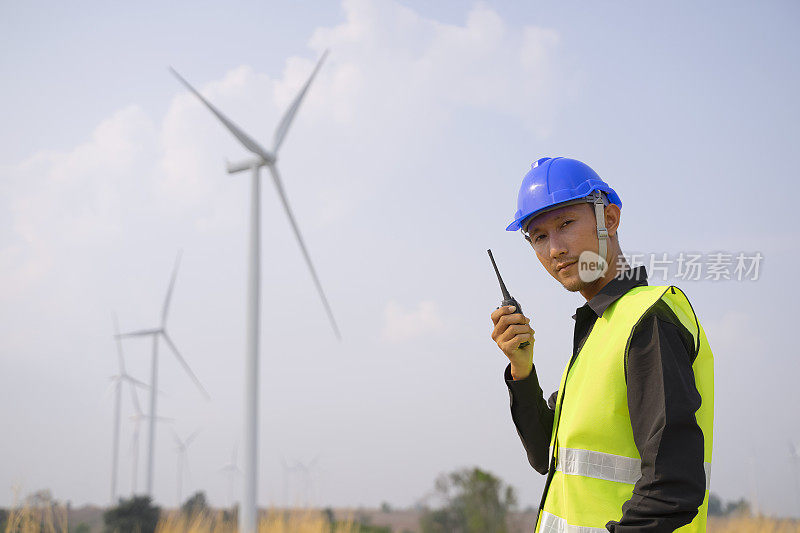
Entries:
{"x":241,"y":166}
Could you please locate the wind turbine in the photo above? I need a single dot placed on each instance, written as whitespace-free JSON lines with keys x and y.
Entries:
{"x":263,"y":158}
{"x":137,"y":417}
{"x":287,"y":471}
{"x":118,"y":380}
{"x":299,"y":474}
{"x":156,"y":333}
{"x":181,"y":446}
{"x":307,"y":471}
{"x":232,"y":470}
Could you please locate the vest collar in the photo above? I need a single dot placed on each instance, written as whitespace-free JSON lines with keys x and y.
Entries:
{"x":614,"y":289}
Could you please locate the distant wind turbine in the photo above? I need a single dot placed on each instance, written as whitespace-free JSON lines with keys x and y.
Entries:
{"x":138,"y":417}
{"x":232,"y":470}
{"x":263,"y":157}
{"x":156,"y":333}
{"x":118,"y":380}
{"x":181,"y":446}
{"x":307,"y":471}
{"x":301,"y":474}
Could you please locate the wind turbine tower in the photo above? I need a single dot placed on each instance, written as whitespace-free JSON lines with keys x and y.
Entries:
{"x":263,"y":158}
{"x":794,"y":458}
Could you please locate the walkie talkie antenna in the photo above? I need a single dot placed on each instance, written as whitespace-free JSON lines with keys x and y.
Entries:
{"x":506,"y":295}
{"x":507,"y":298}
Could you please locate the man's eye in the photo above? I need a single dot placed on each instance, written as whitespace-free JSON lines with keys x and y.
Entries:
{"x":565,"y":223}
{"x":536,"y":239}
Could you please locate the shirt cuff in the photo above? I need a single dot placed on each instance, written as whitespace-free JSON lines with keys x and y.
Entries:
{"x":524,"y":391}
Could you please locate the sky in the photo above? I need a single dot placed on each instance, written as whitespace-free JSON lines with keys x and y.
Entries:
{"x":402,"y":168}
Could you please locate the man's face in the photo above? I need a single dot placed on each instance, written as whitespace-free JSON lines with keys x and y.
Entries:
{"x":559,"y":237}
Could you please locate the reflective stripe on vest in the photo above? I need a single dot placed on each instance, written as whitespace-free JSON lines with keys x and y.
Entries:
{"x":554,"y":524}
{"x":606,"y":466}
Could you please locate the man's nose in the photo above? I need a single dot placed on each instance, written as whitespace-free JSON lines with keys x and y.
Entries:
{"x":557,"y":247}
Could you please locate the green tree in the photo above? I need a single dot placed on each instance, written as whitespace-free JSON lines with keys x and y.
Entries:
{"x":83,"y":527}
{"x":715,"y":507}
{"x":740,"y":507}
{"x":475,"y":501}
{"x":135,"y":515}
{"x":196,"y":504}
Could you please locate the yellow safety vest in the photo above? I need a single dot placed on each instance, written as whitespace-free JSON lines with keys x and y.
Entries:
{"x":594,"y":462}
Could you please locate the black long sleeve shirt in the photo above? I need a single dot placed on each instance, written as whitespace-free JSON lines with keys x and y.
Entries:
{"x":662,"y":401}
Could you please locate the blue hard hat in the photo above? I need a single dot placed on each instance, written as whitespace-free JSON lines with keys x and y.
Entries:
{"x":555,"y":181}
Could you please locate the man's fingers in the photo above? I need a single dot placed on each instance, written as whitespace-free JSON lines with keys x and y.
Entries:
{"x":513,"y":344}
{"x":511,"y":331}
{"x":499,"y":312}
{"x":516,"y":318}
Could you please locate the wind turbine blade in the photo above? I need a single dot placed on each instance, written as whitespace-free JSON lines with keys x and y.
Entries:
{"x":169,"y":290}
{"x":177,"y":440}
{"x":191,"y":438}
{"x":135,"y":400}
{"x":114,"y":381}
{"x":120,"y":358}
{"x":185,"y":365}
{"x":139,"y":333}
{"x":288,"y":116}
{"x":134,"y":381}
{"x":237,"y":132}
{"x":279,"y":186}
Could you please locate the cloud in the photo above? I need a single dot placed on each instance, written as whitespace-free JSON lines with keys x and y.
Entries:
{"x":388,"y":61}
{"x":61,"y":202}
{"x":400,"y":324}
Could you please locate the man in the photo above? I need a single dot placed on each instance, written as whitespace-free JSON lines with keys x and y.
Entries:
{"x":626,"y":439}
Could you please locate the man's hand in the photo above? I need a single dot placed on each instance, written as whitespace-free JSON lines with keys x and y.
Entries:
{"x":511,"y":330}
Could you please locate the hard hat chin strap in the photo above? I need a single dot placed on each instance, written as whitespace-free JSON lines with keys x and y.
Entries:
{"x":602,"y":232}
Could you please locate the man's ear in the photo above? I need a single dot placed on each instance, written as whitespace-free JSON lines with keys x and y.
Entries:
{"x":612,"y":212}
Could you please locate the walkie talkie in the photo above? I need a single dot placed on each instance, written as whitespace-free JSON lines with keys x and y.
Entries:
{"x":507,"y":298}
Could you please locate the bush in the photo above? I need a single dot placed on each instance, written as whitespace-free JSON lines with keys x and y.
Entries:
{"x":716,"y":507}
{"x":135,"y":515}
{"x":195,"y":505}
{"x":83,"y":527}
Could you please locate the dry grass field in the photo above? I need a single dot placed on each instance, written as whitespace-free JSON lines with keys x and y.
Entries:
{"x":53,"y":519}
{"x":303,"y":521}
{"x":752,"y":524}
